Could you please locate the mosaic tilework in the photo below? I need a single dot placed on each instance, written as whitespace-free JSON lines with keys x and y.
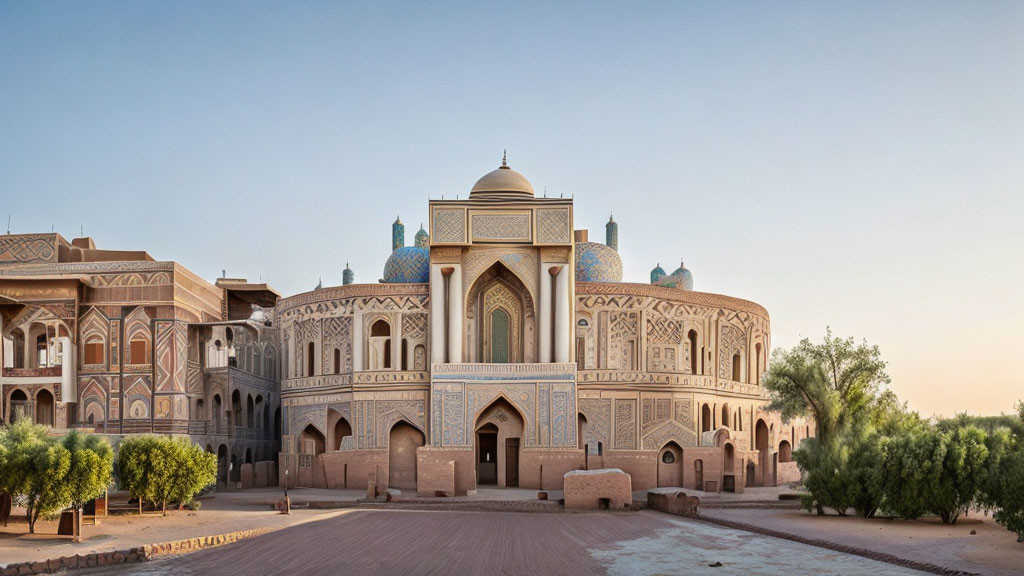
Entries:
{"x":514,"y":227}
{"x":408,"y":264}
{"x":597,"y":263}
{"x":553,"y":226}
{"x":449,"y":226}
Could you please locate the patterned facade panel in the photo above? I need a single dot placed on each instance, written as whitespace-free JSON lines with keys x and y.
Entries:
{"x":28,"y":248}
{"x":165,"y":357}
{"x":553,"y":226}
{"x":504,"y":227}
{"x":448,"y":226}
{"x":625,"y":424}
{"x":598,"y":415}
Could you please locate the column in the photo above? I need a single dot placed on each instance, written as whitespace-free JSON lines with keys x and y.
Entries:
{"x":562,"y":316}
{"x":396,"y":342}
{"x":544,"y":330}
{"x":455,"y":323}
{"x":357,"y":339}
{"x":437,"y":339}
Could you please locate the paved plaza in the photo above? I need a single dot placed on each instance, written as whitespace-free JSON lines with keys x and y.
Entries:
{"x":436,"y":542}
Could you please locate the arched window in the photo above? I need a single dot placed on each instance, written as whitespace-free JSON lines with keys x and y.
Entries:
{"x":310,"y":359}
{"x":379,"y":349}
{"x":93,"y":350}
{"x":705,"y":418}
{"x":405,"y":354}
{"x":725,"y":415}
{"x":736,"y":367}
{"x":694,"y":359}
{"x":337,"y":361}
{"x":758,"y":365}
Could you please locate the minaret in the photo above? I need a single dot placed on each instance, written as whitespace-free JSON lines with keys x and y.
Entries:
{"x":347,"y":275}
{"x":611,"y":234}
{"x":422,"y":238}
{"x":397,"y":234}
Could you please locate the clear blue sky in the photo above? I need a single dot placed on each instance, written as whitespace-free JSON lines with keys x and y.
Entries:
{"x":859,"y":165}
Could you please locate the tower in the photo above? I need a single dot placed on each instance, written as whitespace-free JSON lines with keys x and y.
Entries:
{"x":397,"y":234}
{"x":347,"y":275}
{"x":611,"y":234}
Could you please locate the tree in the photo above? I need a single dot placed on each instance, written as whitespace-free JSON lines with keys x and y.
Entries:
{"x":962,"y":474}
{"x":1004,"y":486}
{"x":34,"y":471}
{"x":92,"y":462}
{"x":836,"y":382}
{"x":163,"y":470}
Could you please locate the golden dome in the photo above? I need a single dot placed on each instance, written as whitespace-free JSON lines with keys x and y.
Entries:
{"x":502,"y":183}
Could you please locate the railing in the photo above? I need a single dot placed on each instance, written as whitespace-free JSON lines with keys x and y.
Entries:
{"x":46,"y":372}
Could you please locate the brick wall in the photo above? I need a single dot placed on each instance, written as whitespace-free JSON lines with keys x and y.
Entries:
{"x":585,"y":489}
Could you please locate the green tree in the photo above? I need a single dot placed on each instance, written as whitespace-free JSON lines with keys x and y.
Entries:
{"x":163,"y":470}
{"x":34,"y":471}
{"x":92,"y":462}
{"x":1004,"y":487}
{"x":963,"y":473}
{"x":836,"y":382}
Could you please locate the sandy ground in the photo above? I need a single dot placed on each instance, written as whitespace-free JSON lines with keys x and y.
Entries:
{"x":437,"y":542}
{"x":992,"y":550}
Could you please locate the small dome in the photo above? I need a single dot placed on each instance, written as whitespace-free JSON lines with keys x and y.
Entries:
{"x":681,"y":279}
{"x":597,"y":263}
{"x":422,"y":239}
{"x":409,"y":264}
{"x":502,"y":183}
{"x":657,"y":273}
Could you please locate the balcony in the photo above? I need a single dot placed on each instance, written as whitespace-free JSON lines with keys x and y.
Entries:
{"x":47,"y":372}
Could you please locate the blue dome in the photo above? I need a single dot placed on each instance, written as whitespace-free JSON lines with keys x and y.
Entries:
{"x":409,"y":264}
{"x":597,"y":263}
{"x":681,"y":279}
{"x":657,"y":273}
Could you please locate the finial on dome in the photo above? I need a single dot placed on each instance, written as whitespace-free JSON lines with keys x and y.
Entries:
{"x":504,"y":158}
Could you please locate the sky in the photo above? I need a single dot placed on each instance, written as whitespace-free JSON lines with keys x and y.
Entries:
{"x":856,"y":165}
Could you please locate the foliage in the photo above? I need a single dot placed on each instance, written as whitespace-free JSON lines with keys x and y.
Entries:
{"x":963,"y":473}
{"x":1004,"y":486}
{"x":92,"y":462}
{"x":837,"y":382}
{"x":163,"y":470}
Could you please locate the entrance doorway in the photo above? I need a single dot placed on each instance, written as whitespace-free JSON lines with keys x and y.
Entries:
{"x":512,"y":462}
{"x":487,"y":455}
{"x":670,"y":463}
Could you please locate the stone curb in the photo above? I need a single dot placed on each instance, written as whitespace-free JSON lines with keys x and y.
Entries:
{"x":129,"y":556}
{"x":871,"y":554}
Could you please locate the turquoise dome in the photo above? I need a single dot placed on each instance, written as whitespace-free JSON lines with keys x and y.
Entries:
{"x":657,"y":274}
{"x":409,"y":264}
{"x":681,"y":279}
{"x":597,"y":263}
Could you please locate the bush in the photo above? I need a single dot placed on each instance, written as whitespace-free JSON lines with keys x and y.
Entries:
{"x":163,"y":470}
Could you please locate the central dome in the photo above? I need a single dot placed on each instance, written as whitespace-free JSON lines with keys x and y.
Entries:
{"x":502,"y":183}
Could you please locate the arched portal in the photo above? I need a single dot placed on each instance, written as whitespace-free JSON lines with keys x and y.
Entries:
{"x":498,"y":436}
{"x":338,"y":427}
{"x":500,"y":315}
{"x":403,"y":441}
{"x":670,"y":465}
{"x":763,"y":453}
{"x":725,"y":415}
{"x":311,"y":441}
{"x":45,"y":408}
{"x":785,"y":451}
{"x":705,"y":418}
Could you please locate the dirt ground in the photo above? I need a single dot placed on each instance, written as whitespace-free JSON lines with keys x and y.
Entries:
{"x":437,"y":542}
{"x":991,"y":550}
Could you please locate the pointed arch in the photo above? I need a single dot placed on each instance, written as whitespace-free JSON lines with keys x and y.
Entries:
{"x":499,"y":314}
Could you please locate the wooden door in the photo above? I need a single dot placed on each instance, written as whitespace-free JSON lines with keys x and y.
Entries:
{"x":511,"y":462}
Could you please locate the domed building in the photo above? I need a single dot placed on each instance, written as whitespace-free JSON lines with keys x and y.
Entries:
{"x":504,"y":349}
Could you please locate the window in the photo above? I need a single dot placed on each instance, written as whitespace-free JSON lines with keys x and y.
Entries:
{"x":138,"y":351}
{"x":337,"y":361}
{"x":692,"y":337}
{"x":736,"y":367}
{"x":310,"y":359}
{"x":94,"y":351}
{"x":668,"y":457}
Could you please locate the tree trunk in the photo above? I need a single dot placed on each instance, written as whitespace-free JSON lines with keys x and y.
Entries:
{"x":140,"y":506}
{"x":31,"y":521}
{"x":164,"y":506}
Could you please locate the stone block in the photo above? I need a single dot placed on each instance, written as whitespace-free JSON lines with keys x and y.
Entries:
{"x":608,"y":488}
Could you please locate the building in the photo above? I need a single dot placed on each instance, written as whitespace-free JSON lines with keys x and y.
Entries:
{"x":503,"y":349}
{"x":116,"y":343}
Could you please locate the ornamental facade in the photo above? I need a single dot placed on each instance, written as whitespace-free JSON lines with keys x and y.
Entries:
{"x":503,"y":349}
